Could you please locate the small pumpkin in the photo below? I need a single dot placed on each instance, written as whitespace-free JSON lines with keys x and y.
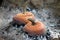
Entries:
{"x":34,"y":29}
{"x":23,"y":18}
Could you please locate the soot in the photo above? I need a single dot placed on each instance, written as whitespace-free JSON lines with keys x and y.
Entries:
{"x":1,"y":2}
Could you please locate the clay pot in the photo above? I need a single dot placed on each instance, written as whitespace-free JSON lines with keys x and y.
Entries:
{"x":23,"y":18}
{"x":38,"y":28}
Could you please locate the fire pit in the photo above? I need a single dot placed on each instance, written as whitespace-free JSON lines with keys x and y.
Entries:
{"x":9,"y":31}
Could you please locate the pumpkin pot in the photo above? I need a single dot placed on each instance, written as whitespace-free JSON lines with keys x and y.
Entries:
{"x":23,"y":18}
{"x":34,"y":29}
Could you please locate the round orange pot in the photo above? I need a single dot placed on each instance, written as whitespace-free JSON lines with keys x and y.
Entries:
{"x":38,"y":28}
{"x":23,"y":18}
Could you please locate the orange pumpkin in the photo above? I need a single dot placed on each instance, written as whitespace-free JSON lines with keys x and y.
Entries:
{"x":35,"y":29}
{"x":22,"y":18}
